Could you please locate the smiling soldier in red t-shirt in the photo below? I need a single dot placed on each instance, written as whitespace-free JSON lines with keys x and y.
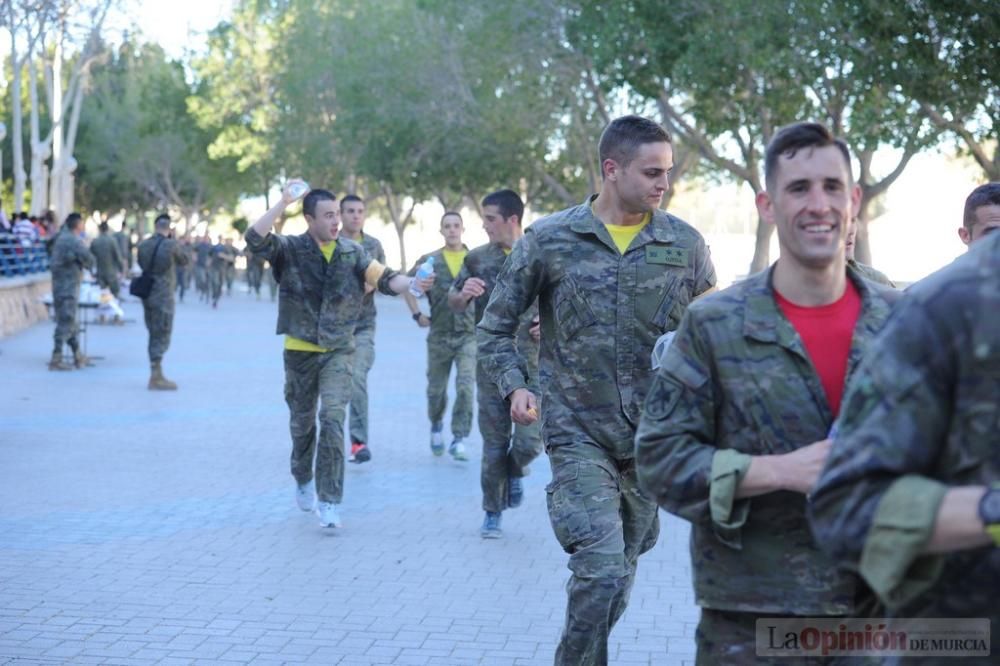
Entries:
{"x":734,"y":430}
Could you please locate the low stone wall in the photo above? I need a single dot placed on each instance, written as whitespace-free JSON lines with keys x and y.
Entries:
{"x":21,"y":302}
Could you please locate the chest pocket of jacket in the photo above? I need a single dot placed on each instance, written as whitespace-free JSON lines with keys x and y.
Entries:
{"x":573,"y":313}
{"x":659,"y":290}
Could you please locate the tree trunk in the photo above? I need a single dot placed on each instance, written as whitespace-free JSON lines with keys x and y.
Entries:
{"x":56,"y":113}
{"x":762,"y":247}
{"x":17,"y":132}
{"x":39,"y":150}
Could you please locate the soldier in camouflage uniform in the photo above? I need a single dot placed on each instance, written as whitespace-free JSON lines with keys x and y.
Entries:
{"x":203,"y":255}
{"x":745,"y":396}
{"x":110,"y":263}
{"x":910,"y":495}
{"x":322,"y":280}
{"x":158,"y":256}
{"x":219,"y":260}
{"x":123,"y":238}
{"x":69,"y":257}
{"x":982,"y":213}
{"x":352,"y":214}
{"x":255,"y":273}
{"x":451,"y":340}
{"x":611,"y":276}
{"x":505,"y":459}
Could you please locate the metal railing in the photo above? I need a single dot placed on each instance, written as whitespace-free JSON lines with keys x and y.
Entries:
{"x":22,"y":257}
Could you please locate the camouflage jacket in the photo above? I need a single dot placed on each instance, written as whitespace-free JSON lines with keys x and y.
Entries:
{"x":202,"y":253}
{"x":737,"y":381}
{"x":69,"y":257}
{"x":921,"y":416}
{"x":319,"y":301}
{"x":221,"y":257}
{"x":485,"y":262}
{"x":601,"y":312}
{"x":444,"y":322}
{"x":124,"y":242}
{"x":869,"y":273}
{"x":374,"y":249}
{"x":108,"y":256}
{"x":162,"y":268}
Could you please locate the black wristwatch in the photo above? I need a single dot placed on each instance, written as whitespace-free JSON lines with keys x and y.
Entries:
{"x":989,"y":512}
{"x":417,"y":316}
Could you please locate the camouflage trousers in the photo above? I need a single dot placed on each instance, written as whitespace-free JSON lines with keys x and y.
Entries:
{"x":160,"y":324}
{"x":364,"y":359}
{"x":216,"y":277}
{"x":65,"y":310}
{"x":727,"y":637}
{"x":318,"y":380}
{"x":504,"y":456}
{"x":272,"y":284}
{"x":604,"y":522}
{"x":201,"y":279}
{"x":442,"y":354}
{"x":183,"y":280}
{"x":255,"y":275}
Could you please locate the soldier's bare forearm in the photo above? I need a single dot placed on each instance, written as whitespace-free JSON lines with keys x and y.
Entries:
{"x":266,"y":222}
{"x":399,"y":283}
{"x":762,"y":477}
{"x":457,"y":301}
{"x":411,"y":302}
{"x":958,"y":526}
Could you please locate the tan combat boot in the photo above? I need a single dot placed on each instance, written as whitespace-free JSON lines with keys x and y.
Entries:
{"x":157,"y":382}
{"x":56,"y":362}
{"x":81,"y":360}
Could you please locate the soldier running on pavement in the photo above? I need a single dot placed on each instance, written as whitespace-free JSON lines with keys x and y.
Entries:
{"x":611,"y":276}
{"x":505,"y":457}
{"x":322,"y":282}
{"x":451,"y":340}
{"x":352,"y":214}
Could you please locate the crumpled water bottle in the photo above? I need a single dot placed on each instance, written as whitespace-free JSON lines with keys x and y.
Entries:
{"x":299,"y":189}
{"x":425,"y":271}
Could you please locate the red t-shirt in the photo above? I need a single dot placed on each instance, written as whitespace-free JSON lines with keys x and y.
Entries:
{"x":826,"y":332}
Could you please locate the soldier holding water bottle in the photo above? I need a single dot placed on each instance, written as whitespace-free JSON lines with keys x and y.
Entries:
{"x":318,"y":323}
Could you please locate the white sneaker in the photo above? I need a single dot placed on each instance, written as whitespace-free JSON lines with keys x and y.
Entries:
{"x":305,"y":496}
{"x":328,"y":516}
{"x":457,"y":450}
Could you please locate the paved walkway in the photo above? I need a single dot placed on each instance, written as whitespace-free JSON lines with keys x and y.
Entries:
{"x":141,"y":528}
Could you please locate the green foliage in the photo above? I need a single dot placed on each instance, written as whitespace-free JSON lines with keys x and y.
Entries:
{"x":139,"y":147}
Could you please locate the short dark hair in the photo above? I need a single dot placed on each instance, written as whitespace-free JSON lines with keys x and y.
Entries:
{"x":348,"y":198}
{"x":102,"y":227}
{"x":73,"y":220}
{"x":453,"y":213}
{"x":790,"y":139}
{"x":508,"y":202}
{"x":623,"y":136}
{"x":984,"y":195}
{"x":162,"y":220}
{"x":313,"y":198}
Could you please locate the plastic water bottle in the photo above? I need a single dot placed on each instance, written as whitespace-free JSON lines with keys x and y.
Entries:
{"x":299,"y":189}
{"x":425,"y":271}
